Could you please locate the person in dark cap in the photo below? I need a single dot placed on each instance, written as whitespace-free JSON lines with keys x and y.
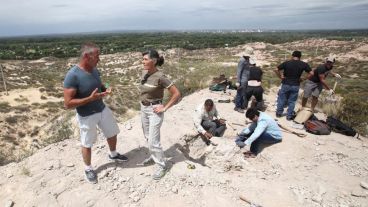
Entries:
{"x":290,"y":72}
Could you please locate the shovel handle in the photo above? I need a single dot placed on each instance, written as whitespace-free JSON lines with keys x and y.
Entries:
{"x":334,"y":87}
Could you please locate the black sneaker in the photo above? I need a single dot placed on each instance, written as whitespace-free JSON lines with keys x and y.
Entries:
{"x":278,"y":115}
{"x":118,"y":158}
{"x":91,"y":176}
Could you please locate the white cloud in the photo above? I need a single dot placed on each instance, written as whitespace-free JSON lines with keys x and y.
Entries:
{"x":44,"y":16}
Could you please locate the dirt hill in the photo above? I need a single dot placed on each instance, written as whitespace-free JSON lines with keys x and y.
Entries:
{"x":311,"y":171}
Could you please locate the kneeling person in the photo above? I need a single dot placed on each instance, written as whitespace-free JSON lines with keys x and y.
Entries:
{"x":263,"y":130}
{"x":207,"y":120}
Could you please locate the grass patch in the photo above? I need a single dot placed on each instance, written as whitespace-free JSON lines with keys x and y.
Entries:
{"x":5,"y":107}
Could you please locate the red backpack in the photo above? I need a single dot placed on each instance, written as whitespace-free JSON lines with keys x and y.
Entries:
{"x":317,"y":127}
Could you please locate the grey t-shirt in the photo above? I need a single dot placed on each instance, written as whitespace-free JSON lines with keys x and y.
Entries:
{"x":85,"y":83}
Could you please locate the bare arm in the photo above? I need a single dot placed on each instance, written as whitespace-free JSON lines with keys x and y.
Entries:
{"x":175,"y":95}
{"x":71,"y":102}
{"x":279,"y":73}
{"x":322,"y":78}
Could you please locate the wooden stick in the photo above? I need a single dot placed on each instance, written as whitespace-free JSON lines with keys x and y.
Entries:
{"x":2,"y":75}
{"x":249,"y":202}
{"x":291,"y":131}
{"x":231,"y":126}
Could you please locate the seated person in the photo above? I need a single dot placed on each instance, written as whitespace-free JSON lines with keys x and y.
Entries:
{"x":254,"y":85}
{"x":207,"y":120}
{"x":263,"y":130}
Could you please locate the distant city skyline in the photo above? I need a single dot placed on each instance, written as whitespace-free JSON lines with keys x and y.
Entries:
{"x":39,"y":17}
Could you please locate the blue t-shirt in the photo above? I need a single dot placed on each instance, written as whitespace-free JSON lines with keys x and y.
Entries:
{"x":85,"y":83}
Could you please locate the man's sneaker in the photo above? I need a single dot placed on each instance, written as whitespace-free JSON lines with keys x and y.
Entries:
{"x":239,"y":110}
{"x":146,"y":162}
{"x":118,"y":158}
{"x":160,"y":172}
{"x":278,"y":115}
{"x":91,"y":176}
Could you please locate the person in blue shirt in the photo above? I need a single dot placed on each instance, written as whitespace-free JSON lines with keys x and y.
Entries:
{"x":263,"y":130}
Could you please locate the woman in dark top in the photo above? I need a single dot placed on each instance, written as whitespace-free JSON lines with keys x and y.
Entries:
{"x":254,"y":85}
{"x":152,"y":88}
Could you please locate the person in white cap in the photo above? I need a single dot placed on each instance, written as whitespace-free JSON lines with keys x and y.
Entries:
{"x":315,"y":83}
{"x":242,"y":80}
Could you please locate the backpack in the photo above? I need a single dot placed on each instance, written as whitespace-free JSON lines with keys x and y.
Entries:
{"x":339,"y":127}
{"x":317,"y":127}
{"x":218,"y":87}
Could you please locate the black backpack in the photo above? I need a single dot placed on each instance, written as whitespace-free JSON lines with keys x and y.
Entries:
{"x":339,"y":127}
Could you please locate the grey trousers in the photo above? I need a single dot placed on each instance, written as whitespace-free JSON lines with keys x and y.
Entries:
{"x":214,"y":127}
{"x":151,"y":124}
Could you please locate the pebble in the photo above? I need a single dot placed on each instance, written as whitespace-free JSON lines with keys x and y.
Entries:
{"x":364,"y":185}
{"x":10,"y":203}
{"x":174,"y":190}
{"x":9,"y":175}
{"x":134,"y":196}
{"x":70,"y":165}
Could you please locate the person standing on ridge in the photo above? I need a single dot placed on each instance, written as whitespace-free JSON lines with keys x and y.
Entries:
{"x":290,"y":72}
{"x":152,"y":88}
{"x":84,"y":91}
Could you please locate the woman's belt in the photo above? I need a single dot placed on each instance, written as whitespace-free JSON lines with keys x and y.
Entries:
{"x":149,"y":103}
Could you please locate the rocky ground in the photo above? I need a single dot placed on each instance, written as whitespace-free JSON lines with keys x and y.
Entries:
{"x":312,"y":171}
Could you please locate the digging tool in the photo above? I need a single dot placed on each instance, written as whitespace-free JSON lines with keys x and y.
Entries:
{"x":332,"y":98}
{"x":249,"y":202}
{"x":238,"y":124}
{"x":231,"y":126}
{"x":291,"y":131}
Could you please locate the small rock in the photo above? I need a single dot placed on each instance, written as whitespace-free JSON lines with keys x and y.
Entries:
{"x":50,"y":167}
{"x":10,"y":203}
{"x":364,"y":185}
{"x":9,"y":175}
{"x":134,"y":196}
{"x":128,"y":126}
{"x":174,"y":190}
{"x":317,"y":198}
{"x":70,"y":165}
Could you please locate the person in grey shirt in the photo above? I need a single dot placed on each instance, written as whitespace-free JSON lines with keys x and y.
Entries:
{"x":84,"y":91}
{"x":242,"y":80}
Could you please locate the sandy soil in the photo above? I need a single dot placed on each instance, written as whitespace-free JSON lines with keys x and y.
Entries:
{"x":311,"y":171}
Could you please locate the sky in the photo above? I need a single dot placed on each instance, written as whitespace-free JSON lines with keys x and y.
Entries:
{"x":32,"y":17}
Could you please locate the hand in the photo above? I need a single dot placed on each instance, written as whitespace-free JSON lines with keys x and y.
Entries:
{"x":337,"y":76}
{"x":208,"y":135}
{"x":96,"y":95}
{"x":108,"y":91}
{"x":237,"y":84}
{"x":222,"y":121}
{"x":282,"y":76}
{"x":159,"y":109}
{"x":331,"y":92}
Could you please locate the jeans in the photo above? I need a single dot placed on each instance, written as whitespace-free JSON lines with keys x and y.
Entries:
{"x":287,"y":94}
{"x":151,"y":124}
{"x":214,"y":127}
{"x":264,"y":138}
{"x":240,"y":96}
